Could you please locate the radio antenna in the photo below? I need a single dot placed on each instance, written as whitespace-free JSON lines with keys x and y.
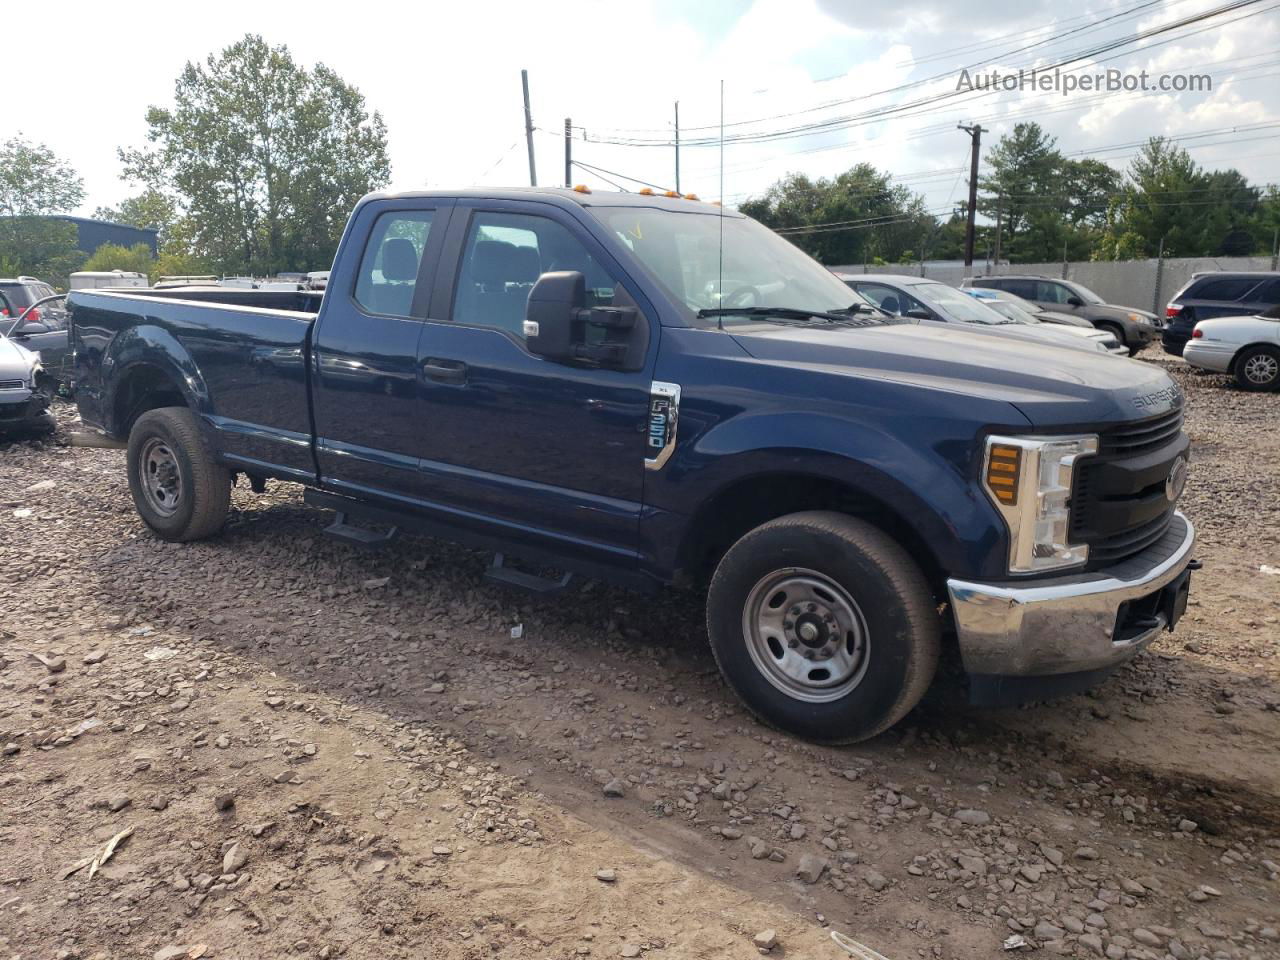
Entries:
{"x":720,"y":317}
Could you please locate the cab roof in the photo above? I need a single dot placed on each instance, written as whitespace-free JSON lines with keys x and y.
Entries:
{"x":564,"y":196}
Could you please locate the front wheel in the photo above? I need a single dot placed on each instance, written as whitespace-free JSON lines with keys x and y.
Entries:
{"x":1258,"y":368}
{"x":823,"y":626}
{"x":179,"y":490}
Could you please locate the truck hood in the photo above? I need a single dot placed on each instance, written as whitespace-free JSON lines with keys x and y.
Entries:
{"x":1050,"y":386}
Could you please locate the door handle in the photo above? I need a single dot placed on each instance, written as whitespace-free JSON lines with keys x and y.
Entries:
{"x":444,"y":371}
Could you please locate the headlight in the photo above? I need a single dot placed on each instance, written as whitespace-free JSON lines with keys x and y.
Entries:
{"x":1139,"y":318}
{"x":37,"y":368}
{"x":1029,"y":480}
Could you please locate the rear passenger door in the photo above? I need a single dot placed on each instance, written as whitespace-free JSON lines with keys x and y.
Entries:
{"x":534,"y":450}
{"x":366,"y":389}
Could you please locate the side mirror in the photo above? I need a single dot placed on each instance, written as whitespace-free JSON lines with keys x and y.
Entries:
{"x":552,"y":324}
{"x":1074,"y":302}
{"x":918,"y":313}
{"x":30,"y":329}
{"x":557,"y":321}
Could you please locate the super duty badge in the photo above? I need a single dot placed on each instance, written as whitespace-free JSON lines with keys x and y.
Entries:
{"x":664,"y":412}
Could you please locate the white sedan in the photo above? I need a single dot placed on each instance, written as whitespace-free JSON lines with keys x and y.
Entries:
{"x":1246,"y":347}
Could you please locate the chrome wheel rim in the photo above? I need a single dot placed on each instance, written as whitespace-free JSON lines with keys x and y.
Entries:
{"x":806,"y":635}
{"x":1261,"y":368}
{"x":159,"y":477}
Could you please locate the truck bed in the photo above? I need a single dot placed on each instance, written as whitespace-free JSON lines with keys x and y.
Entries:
{"x":238,"y":358}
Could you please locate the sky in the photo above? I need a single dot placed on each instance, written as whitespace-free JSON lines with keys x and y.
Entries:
{"x":446,"y":79}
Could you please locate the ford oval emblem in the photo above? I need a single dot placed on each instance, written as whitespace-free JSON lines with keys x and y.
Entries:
{"x":1177,"y":480}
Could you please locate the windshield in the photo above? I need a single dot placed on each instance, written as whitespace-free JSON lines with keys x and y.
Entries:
{"x":1008,"y":309}
{"x":1085,"y":294}
{"x":761,"y":269}
{"x":955,"y":305}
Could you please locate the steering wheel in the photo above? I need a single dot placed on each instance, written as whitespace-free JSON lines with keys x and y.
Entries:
{"x":740,"y":297}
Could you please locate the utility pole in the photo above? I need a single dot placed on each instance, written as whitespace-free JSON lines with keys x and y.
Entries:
{"x":568,"y":152}
{"x":975,"y":135}
{"x":528,"y":127}
{"x":999,"y":216}
{"x":677,"y":146}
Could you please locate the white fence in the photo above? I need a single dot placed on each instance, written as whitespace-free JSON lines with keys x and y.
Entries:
{"x":1145,"y":284}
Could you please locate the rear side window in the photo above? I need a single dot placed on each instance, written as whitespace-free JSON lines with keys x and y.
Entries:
{"x":1222,"y":288}
{"x":1021,"y":288}
{"x":18,"y":295}
{"x":1269,"y":293}
{"x":389,"y":269}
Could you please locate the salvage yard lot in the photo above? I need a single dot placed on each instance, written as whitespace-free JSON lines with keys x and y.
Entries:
{"x":404,"y":777}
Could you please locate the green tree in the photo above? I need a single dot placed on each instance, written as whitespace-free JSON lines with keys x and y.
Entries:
{"x":151,"y":209}
{"x":263,"y":157}
{"x":112,"y":256}
{"x":859,"y":216}
{"x":34,"y":184}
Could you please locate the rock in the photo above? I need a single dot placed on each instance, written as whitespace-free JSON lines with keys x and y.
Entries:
{"x":629,"y":950}
{"x":224,"y":801}
{"x":275,"y":703}
{"x":1188,"y":826}
{"x":441,"y":851}
{"x":975,"y":865}
{"x":41,"y":486}
{"x":97,"y":656}
{"x":606,"y":876}
{"x":159,"y":802}
{"x":376,"y":583}
{"x":1093,"y":942}
{"x":1054,"y":779}
{"x":766,"y":939}
{"x":614,"y":788}
{"x":974,"y":818}
{"x":1132,"y":887}
{"x":235,"y":858}
{"x":1047,"y":931}
{"x":730,"y":833}
{"x":1086,"y":853}
{"x":10,"y":749}
{"x":1031,"y":873}
{"x":1053,"y":856}
{"x":1147,"y":938}
{"x":811,"y":868}
{"x":52,"y":664}
{"x":876,"y":881}
{"x":170,"y":953}
{"x":118,"y":803}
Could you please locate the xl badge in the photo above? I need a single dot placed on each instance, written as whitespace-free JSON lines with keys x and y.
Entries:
{"x":664,"y":412}
{"x":1177,"y":480}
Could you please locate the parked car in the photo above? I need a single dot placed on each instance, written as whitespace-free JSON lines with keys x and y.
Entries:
{"x":25,"y":389}
{"x":1248,"y":348}
{"x":926,"y":301}
{"x":988,"y":294}
{"x":1218,"y":294}
{"x":1010,"y":307}
{"x":571,"y":383}
{"x":99,"y":279}
{"x":1134,"y":328}
{"x":44,"y":322}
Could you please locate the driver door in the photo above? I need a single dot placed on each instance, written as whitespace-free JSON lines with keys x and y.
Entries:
{"x":551,"y":453}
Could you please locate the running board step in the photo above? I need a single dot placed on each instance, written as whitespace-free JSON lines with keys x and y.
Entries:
{"x":359,"y":536}
{"x":499,"y":572}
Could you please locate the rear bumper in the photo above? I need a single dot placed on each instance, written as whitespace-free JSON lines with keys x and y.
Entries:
{"x":1209,"y":355}
{"x":1075,"y":626}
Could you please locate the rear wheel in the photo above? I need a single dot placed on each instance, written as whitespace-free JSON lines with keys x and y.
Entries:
{"x":1258,"y":368}
{"x":178,"y":489}
{"x":823,"y":626}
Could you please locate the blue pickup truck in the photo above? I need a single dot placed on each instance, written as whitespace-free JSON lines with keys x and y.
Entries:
{"x":655,"y":391}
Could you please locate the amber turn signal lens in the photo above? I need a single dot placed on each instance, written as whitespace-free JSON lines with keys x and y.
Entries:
{"x":1003,"y":465}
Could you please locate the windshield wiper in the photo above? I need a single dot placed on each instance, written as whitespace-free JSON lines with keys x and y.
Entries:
{"x":780,"y":313}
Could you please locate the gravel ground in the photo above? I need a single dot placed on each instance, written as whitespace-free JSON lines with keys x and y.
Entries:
{"x":321,"y":752}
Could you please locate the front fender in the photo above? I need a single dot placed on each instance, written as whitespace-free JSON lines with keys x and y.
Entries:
{"x":910,"y":465}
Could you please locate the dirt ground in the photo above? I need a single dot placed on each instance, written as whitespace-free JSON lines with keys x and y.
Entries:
{"x":321,"y":752}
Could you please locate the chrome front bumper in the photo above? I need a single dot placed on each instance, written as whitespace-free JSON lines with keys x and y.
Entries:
{"x":1066,"y":625}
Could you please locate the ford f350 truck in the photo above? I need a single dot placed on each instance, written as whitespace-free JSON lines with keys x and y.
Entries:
{"x":657,"y":392}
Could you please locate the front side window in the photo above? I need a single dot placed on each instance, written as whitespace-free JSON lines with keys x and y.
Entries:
{"x":1052,"y":292}
{"x":505,"y":253}
{"x":1269,"y":293}
{"x":888,"y":299}
{"x":388,"y":276}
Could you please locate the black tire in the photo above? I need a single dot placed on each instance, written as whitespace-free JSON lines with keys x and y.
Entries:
{"x":889,"y":595}
{"x":1257,"y":368}
{"x":202,"y":488}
